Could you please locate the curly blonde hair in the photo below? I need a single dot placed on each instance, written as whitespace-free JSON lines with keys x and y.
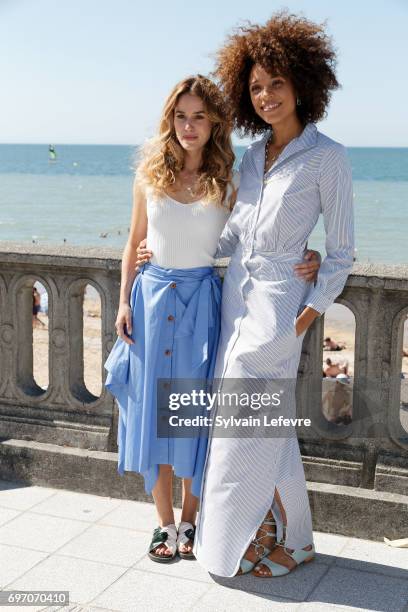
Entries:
{"x":163,"y":156}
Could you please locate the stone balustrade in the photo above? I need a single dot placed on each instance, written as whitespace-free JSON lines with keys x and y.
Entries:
{"x":370,"y":452}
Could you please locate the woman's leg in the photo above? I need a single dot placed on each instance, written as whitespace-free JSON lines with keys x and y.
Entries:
{"x":189,"y":511}
{"x":163,"y":498}
{"x":262,"y":539}
{"x":278,"y":554}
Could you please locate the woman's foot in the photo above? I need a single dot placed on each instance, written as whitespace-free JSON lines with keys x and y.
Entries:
{"x":186,"y":548}
{"x":185,"y":540}
{"x":265,"y":539}
{"x":163,"y":547}
{"x":282,"y":558}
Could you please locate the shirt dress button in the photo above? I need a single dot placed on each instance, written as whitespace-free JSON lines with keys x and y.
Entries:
{"x":170,"y":318}
{"x":167,"y":352}
{"x":173,"y":285}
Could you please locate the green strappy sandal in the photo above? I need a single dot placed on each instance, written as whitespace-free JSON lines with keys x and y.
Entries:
{"x":245,"y":565}
{"x":164,"y":535}
{"x":299,"y":555}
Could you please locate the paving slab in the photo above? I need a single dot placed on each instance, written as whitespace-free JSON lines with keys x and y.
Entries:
{"x":40,"y":532}
{"x":314,"y":606}
{"x":22,"y":497}
{"x":365,"y":590}
{"x":296,"y":585}
{"x":220,"y":599}
{"x":95,"y":547}
{"x":7,"y":514}
{"x":179,"y":568}
{"x":138,"y":590}
{"x":78,"y":506}
{"x":74,"y":607}
{"x":328,"y":547}
{"x":82,"y":578}
{"x":140,"y":516}
{"x":114,"y":545}
{"x":14,"y":562}
{"x":375,"y":557}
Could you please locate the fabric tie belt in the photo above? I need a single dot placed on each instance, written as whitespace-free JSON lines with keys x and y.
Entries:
{"x":201,"y":311}
{"x":193,"y":318}
{"x":278,"y":256}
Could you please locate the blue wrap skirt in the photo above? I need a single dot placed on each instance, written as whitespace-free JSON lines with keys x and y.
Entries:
{"x":175,"y":328}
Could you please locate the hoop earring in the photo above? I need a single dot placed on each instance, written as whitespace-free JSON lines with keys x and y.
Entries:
{"x":298,"y":101}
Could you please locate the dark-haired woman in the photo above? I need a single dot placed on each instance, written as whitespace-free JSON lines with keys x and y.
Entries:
{"x":254,"y":512}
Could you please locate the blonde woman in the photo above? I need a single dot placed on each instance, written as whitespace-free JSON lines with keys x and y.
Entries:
{"x":169,"y":315}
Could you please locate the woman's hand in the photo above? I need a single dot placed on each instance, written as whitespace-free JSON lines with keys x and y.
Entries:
{"x":309,"y":270}
{"x":143,"y":254}
{"x":124,"y":319}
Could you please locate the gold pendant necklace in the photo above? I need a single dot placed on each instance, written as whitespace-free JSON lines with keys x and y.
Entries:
{"x":190,"y":189}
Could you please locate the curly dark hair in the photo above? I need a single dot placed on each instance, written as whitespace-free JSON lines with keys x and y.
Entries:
{"x":288,"y":45}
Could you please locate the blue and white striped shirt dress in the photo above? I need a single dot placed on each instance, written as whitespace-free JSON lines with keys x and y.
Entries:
{"x":265,"y":236}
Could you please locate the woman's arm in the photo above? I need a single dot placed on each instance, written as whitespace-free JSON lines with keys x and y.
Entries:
{"x":228,"y":239}
{"x":138,"y":230}
{"x":226,"y":243}
{"x":336,"y":196}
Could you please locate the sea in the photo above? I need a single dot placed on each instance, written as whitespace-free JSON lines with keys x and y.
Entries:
{"x":83,"y":197}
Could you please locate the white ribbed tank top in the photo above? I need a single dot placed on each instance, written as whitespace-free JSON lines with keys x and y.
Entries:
{"x":183,"y":235}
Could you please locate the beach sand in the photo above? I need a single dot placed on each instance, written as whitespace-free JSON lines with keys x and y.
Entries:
{"x":339,"y":325}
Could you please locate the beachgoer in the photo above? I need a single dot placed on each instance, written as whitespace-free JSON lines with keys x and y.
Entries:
{"x":36,"y":309}
{"x":332,"y":369}
{"x":337,"y":400}
{"x":331,"y":345}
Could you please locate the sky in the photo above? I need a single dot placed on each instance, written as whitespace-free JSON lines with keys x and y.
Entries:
{"x":98,"y":71}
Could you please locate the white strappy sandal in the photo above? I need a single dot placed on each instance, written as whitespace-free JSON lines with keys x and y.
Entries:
{"x":164,"y":535}
{"x":186,"y":532}
{"x":277,"y":569}
{"x":260,"y":549}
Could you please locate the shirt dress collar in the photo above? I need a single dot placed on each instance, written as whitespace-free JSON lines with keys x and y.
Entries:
{"x":306,"y":140}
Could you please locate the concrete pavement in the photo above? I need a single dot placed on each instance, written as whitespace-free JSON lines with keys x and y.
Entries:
{"x":95,"y":548}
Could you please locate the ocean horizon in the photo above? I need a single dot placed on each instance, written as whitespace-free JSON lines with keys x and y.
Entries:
{"x":85,"y":197}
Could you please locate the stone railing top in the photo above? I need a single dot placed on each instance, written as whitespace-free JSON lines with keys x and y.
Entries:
{"x":363,"y":274}
{"x":60,"y":255}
